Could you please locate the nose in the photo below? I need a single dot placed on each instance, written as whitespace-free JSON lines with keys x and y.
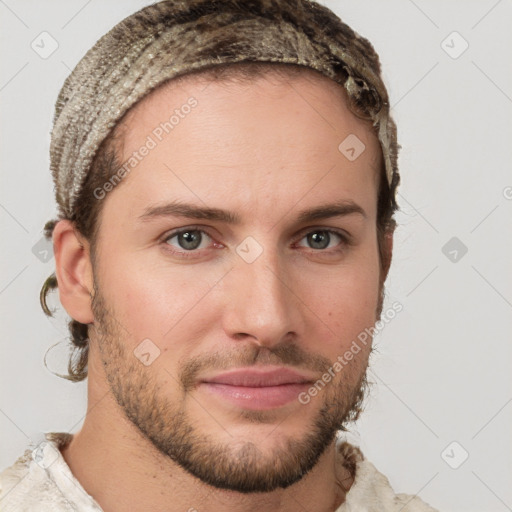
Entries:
{"x":261,"y":303}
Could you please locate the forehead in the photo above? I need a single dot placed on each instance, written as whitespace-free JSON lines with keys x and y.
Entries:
{"x":297,"y":88}
{"x":275,"y":136}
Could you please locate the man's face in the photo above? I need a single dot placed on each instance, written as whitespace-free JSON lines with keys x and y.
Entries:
{"x":272,"y":291}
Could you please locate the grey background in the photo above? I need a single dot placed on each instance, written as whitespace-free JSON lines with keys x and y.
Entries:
{"x":442,"y":370}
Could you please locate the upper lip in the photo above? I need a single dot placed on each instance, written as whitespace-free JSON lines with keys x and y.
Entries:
{"x":252,"y":377}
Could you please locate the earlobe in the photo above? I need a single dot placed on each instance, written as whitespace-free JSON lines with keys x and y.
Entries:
{"x":74,"y":271}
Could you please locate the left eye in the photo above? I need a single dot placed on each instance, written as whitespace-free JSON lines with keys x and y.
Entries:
{"x":189,"y":239}
{"x":322,"y":238}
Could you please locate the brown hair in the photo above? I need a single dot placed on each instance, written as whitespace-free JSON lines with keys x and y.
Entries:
{"x":87,"y":214}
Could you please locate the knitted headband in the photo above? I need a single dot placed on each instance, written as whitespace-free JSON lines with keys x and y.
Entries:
{"x":175,"y":37}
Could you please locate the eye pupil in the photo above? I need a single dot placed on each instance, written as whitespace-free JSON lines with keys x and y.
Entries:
{"x":321,"y":238}
{"x":189,"y":239}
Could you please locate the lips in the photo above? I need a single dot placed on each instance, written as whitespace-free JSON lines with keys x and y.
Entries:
{"x":243,"y":377}
{"x":257,"y":389}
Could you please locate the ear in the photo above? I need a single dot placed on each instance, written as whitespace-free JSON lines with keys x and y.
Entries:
{"x":74,"y":271}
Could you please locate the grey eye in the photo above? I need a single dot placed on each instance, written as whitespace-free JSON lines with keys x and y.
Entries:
{"x":321,"y":239}
{"x":189,"y":239}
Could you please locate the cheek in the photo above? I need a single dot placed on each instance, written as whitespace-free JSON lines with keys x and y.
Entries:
{"x":158,"y":301}
{"x":344,"y":303}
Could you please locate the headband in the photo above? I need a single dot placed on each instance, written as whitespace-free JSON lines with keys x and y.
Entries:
{"x":175,"y":37}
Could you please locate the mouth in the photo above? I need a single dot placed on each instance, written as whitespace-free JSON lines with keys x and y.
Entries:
{"x":258,"y":389}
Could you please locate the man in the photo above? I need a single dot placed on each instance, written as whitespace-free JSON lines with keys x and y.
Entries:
{"x":226,"y":175}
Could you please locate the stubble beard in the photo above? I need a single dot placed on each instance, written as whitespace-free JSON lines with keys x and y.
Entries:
{"x":239,"y":465}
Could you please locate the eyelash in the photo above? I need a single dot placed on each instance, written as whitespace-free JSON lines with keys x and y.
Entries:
{"x":345,"y":241}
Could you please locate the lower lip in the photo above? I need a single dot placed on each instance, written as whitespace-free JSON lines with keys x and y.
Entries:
{"x":260,"y":398}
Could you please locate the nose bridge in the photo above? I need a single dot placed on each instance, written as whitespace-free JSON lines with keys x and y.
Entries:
{"x":262,"y":303}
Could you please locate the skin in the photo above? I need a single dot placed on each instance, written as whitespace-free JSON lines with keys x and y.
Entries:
{"x":264,"y":151}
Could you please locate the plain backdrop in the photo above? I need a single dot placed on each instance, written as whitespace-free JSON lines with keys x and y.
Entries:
{"x":438,"y":421}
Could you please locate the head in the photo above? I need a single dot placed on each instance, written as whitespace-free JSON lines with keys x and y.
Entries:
{"x":259,"y":140}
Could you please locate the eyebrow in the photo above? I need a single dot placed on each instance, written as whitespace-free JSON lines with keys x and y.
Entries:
{"x":191,"y":211}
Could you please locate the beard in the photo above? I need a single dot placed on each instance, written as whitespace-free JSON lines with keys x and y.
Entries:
{"x":239,"y":466}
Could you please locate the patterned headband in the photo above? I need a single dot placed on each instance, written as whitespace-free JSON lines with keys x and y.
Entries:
{"x":176,"y":37}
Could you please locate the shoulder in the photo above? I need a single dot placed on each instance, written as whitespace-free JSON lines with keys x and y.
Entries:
{"x":10,"y":482}
{"x":371,"y":490}
{"x":40,"y":480}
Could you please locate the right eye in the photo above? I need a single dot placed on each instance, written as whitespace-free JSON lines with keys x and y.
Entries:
{"x":189,"y":239}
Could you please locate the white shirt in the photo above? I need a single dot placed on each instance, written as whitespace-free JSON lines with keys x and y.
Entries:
{"x":41,"y":481}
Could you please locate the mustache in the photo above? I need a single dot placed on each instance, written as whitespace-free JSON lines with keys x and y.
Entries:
{"x":251,"y":355}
